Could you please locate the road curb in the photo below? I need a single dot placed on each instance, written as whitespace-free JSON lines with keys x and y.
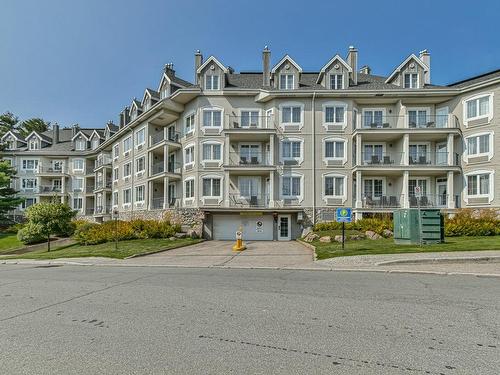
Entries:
{"x":492,"y":259}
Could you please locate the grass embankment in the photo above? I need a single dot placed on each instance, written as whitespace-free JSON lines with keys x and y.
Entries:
{"x":387,"y":245}
{"x":107,"y":250}
{"x":9,"y":242}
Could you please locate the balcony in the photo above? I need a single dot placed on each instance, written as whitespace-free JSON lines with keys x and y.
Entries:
{"x":102,"y":185}
{"x":102,"y":210}
{"x":102,"y":162}
{"x":246,"y":201}
{"x":251,"y":159}
{"x":172,"y":167}
{"x":49,"y":189}
{"x":158,"y":203}
{"x":250,"y":123}
{"x":384,"y":201}
{"x":51,"y":170}
{"x":382,"y":159}
{"x":419,"y":159}
{"x":161,"y":137}
{"x":89,"y":211}
{"x":431,"y":201}
{"x":411,"y":121}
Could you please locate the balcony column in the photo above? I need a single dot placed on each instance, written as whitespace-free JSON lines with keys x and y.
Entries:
{"x":359,"y":198}
{"x":227,"y":147}
{"x":226,"y":188}
{"x":271,"y":188}
{"x":150,"y":195}
{"x":359,"y":149}
{"x":406,"y":150}
{"x":405,"y":202}
{"x":165,"y":192}
{"x":450,"y":149}
{"x":165,"y":158}
{"x":271,"y":150}
{"x":449,"y":189}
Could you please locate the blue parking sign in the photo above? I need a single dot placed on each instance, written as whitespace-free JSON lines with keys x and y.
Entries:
{"x":344,"y":215}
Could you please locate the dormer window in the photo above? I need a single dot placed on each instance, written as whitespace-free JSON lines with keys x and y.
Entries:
{"x":80,"y":144}
{"x":164,"y":92}
{"x":336,"y":82}
{"x":287,"y":81}
{"x":95,"y":143}
{"x":411,"y":81}
{"x":34,"y":144}
{"x":211,"y":82}
{"x":10,"y":144}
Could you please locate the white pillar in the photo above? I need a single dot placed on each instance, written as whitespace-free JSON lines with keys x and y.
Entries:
{"x":405,"y":202}
{"x":450,"y":149}
{"x":406,"y":150}
{"x":227,"y":149}
{"x":271,"y":150}
{"x":450,"y":190}
{"x":359,"y":198}
{"x":271,"y":188}
{"x":359,"y":150}
{"x":165,"y":158}
{"x":165,"y":192}
{"x":226,"y":188}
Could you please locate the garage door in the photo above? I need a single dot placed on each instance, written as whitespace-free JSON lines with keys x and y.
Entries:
{"x":258,"y":227}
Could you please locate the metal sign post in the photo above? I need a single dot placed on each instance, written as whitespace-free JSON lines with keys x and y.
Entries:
{"x":344,"y":215}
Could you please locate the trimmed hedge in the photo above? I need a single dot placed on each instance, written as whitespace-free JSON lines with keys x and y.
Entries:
{"x":92,"y":233}
{"x":465,"y":222}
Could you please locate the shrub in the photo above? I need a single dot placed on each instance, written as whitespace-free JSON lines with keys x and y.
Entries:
{"x":13,"y":229}
{"x":93,"y":233}
{"x":31,"y":233}
{"x":468,"y":222}
{"x":378,"y":225}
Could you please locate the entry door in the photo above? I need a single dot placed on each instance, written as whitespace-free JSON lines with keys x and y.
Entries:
{"x":442,"y":117}
{"x":171,"y":195}
{"x":441,"y":153}
{"x":441,"y":185}
{"x":284,"y":229}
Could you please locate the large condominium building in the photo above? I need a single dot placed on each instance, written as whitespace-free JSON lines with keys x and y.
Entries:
{"x":275,"y":151}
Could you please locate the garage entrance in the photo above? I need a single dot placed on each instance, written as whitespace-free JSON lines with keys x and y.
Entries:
{"x":256,"y":227}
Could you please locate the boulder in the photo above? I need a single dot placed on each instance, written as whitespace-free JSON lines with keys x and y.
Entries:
{"x":311,"y":237}
{"x":306,"y":231}
{"x":387,"y":233}
{"x":356,"y":237}
{"x":181,"y":235}
{"x":372,"y":235}
{"x":338,"y":238}
{"x":172,"y":238}
{"x":325,"y":239}
{"x":192,"y":233}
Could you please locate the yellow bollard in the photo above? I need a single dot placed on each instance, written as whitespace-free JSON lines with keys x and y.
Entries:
{"x":238,"y":246}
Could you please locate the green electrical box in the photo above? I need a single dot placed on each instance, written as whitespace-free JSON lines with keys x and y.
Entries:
{"x":414,"y":226}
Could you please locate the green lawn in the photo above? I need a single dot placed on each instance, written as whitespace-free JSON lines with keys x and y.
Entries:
{"x":125,"y":249}
{"x":8,"y":242}
{"x":387,"y":246}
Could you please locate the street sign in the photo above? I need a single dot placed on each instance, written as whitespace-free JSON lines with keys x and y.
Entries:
{"x":418,"y":191}
{"x":344,"y":215}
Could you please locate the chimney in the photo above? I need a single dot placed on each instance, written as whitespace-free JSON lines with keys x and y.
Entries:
{"x":425,"y":56}
{"x":266,"y":68}
{"x":365,"y":70}
{"x":352,"y":60}
{"x":198,"y":60}
{"x":169,"y":70}
{"x":74,"y":129}
{"x":55,"y":133}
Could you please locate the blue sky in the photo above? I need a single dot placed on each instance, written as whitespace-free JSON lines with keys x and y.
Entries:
{"x":82,"y":61}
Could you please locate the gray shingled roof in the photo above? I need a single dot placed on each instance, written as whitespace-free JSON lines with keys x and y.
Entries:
{"x":253,"y":80}
{"x":154,"y":94}
{"x":180,"y":81}
{"x":477,"y":79}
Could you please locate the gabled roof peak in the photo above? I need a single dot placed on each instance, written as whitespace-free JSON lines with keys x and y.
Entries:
{"x":398,"y":69}
{"x":290,"y":60}
{"x":212,"y":59}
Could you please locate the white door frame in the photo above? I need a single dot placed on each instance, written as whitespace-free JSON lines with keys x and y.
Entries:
{"x":289,"y":237}
{"x":438,"y":197}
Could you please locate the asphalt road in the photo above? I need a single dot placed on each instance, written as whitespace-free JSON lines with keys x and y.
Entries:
{"x":138,"y":320}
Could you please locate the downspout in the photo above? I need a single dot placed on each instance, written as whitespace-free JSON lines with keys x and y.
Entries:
{"x":313,"y":111}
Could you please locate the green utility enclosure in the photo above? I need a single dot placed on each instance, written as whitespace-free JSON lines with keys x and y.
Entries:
{"x":414,"y":226}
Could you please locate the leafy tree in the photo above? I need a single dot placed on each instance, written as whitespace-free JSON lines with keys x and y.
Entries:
{"x":49,"y":219}
{"x":8,"y":199}
{"x":7,"y":122}
{"x":33,"y":124}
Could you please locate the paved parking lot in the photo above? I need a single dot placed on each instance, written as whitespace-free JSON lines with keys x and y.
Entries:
{"x":220,"y":253}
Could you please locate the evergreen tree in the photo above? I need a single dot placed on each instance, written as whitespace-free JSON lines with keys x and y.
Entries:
{"x":8,"y":199}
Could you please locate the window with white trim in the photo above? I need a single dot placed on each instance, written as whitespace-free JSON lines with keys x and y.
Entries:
{"x":80,"y":144}
{"x":115,"y":198}
{"x":249,"y":186}
{"x":189,"y":155}
{"x":78,"y":165}
{"x":127,"y":144}
{"x":116,"y":173}
{"x":30,"y":164}
{"x":336,"y":81}
{"x":212,"y":151}
{"x":189,"y":124}
{"x":127,"y":170}
{"x":77,"y":204}
{"x":334,"y":186}
{"x":373,"y":187}
{"x":287,"y":81}
{"x":249,"y":119}
{"x":127,"y":196}
{"x":34,"y":144}
{"x":140,"y":137}
{"x":211,"y":187}
{"x":212,"y":82}
{"x":140,"y":164}
{"x":334,"y":149}
{"x":29,"y":183}
{"x":477,"y":107}
{"x":373,"y":117}
{"x":291,"y":115}
{"x":95,"y":143}
{"x":334,"y":114}
{"x":411,"y":81}
{"x":291,"y":186}
{"x":28,"y":202}
{"x":189,"y":188}
{"x":116,"y":151}
{"x":212,"y":118}
{"x":77,"y":184}
{"x":421,"y":183}
{"x":417,"y":118}
{"x":478,"y":145}
{"x":291,"y":149}
{"x":139,"y":193}
{"x":478,"y":184}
